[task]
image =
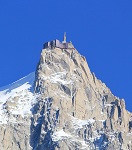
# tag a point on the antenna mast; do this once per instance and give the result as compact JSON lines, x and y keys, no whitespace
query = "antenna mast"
{"x":64,"y":40}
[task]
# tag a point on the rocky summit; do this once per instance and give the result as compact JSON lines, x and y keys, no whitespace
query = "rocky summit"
{"x":62,"y":106}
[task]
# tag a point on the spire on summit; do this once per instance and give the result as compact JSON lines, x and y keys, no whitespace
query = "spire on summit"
{"x":64,"y":40}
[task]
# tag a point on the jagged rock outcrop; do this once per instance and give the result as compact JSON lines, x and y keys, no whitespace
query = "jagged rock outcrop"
{"x":64,"y":108}
{"x":79,"y":111}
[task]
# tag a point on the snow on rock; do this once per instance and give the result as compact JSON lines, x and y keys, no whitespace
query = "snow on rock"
{"x":78,"y":123}
{"x":58,"y":77}
{"x":17,"y":98}
{"x":59,"y":135}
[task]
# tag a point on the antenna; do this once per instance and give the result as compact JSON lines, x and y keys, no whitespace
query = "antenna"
{"x":64,"y":40}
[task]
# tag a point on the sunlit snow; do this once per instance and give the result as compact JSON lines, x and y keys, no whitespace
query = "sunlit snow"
{"x":17,"y":98}
{"x":78,"y":123}
{"x":58,"y":77}
{"x":60,"y":135}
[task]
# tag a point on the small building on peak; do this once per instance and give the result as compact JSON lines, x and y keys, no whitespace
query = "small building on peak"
{"x":57,"y":44}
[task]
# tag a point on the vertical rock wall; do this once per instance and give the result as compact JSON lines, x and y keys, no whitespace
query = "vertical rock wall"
{"x":82,"y":109}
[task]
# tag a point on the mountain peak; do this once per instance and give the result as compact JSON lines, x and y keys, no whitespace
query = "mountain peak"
{"x":68,"y":103}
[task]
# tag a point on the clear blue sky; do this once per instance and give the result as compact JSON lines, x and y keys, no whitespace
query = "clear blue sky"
{"x":100,"y":29}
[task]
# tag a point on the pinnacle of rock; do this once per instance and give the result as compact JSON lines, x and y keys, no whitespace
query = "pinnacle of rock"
{"x":68,"y":107}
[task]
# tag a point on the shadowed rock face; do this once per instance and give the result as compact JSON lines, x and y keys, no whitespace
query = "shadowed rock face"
{"x":64,"y":108}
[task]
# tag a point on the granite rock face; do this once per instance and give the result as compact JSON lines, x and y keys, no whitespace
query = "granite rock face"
{"x":77,"y":110}
{"x":65,"y":107}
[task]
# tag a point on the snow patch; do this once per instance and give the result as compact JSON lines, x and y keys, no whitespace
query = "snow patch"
{"x":78,"y":123}
{"x":17,"y":98}
{"x":59,"y":135}
{"x":58,"y":77}
{"x":108,"y":105}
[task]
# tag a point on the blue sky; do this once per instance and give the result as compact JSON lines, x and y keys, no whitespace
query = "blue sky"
{"x":99,"y":29}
